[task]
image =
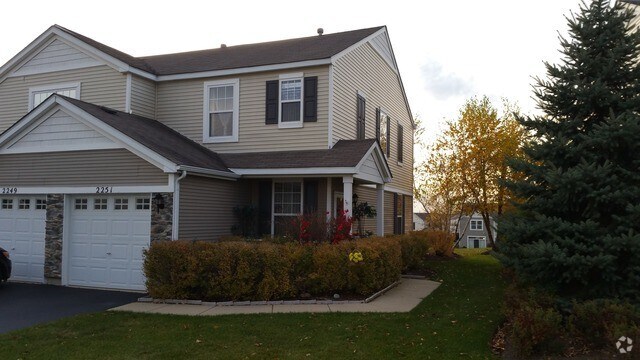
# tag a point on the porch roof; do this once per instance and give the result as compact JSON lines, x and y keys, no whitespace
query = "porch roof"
{"x":346,"y":157}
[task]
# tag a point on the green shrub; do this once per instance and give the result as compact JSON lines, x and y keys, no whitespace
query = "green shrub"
{"x":265,"y":271}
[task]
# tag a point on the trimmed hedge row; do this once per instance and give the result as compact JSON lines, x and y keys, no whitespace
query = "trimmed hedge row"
{"x":239,"y":271}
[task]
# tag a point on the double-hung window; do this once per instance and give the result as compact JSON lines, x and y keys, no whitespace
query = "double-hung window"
{"x":221,"y":107}
{"x":39,"y":94}
{"x":383,"y":131}
{"x":476,"y":225}
{"x":291,"y":90}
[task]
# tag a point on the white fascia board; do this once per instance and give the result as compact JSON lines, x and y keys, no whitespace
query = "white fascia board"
{"x":33,"y":190}
{"x":344,"y":52}
{"x":24,"y":53}
{"x":245,"y":70}
{"x":295,"y":171}
{"x":118,"y":137}
{"x":391,"y":189}
{"x":378,"y":157}
{"x":224,"y":175}
{"x":370,"y":178}
{"x":44,"y":108}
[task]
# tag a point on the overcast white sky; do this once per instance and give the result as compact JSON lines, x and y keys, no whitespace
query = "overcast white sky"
{"x":447,"y":51}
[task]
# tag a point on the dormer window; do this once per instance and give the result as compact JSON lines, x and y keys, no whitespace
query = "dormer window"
{"x":221,"y":103}
{"x":39,"y":94}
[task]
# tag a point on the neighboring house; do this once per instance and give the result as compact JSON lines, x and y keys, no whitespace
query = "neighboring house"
{"x":102,"y":153}
{"x":420,"y":220}
{"x":472,"y":231}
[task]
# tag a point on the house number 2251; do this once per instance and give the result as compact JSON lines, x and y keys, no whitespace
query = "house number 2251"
{"x":104,"y":189}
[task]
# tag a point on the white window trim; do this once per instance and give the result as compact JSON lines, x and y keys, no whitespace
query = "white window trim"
{"x":291,"y":124}
{"x":481,"y":238}
{"x":206,"y":136}
{"x":53,"y":87}
{"x":477,"y":222}
{"x":273,"y":200}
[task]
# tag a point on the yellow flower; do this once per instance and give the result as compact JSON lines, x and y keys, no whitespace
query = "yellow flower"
{"x":356,"y":256}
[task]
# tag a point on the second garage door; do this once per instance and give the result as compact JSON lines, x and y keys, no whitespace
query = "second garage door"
{"x":107,"y":236}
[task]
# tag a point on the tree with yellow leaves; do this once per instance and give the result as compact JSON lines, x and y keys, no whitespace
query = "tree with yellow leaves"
{"x":467,"y":166}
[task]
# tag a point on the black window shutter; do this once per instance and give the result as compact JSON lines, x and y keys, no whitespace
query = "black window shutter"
{"x":310,"y":196}
{"x":378,"y":125}
{"x":310,"y":99}
{"x":271,"y":113}
{"x":395,"y":213}
{"x":400,"y":143}
{"x":360,"y":118}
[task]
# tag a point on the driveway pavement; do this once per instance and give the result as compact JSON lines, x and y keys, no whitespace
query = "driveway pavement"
{"x":24,"y":305}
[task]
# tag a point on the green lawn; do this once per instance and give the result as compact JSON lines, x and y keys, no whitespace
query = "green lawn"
{"x":456,"y":321}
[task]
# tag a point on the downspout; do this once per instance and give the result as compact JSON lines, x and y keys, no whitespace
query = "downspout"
{"x":176,"y":207}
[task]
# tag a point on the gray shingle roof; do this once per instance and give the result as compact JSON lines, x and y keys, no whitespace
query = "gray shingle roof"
{"x":345,"y":153}
{"x":156,"y":136}
{"x":240,"y":56}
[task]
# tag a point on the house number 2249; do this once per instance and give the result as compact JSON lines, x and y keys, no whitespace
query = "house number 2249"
{"x":104,"y":189}
{"x":9,"y":190}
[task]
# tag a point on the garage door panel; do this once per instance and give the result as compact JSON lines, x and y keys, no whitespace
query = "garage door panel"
{"x":99,"y":227}
{"x":22,"y":234}
{"x":116,"y":239}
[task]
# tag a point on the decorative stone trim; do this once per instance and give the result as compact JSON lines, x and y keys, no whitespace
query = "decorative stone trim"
{"x":162,"y":219}
{"x":53,"y":236}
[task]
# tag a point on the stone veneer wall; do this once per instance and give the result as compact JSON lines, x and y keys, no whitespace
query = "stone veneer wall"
{"x":162,"y":219}
{"x":53,"y":236}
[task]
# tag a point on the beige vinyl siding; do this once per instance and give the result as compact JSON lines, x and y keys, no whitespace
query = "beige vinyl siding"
{"x":143,"y":97}
{"x":369,"y":195}
{"x":99,"y":85}
{"x":57,"y":55}
{"x":206,"y":207}
{"x":60,"y":130}
{"x":78,"y":168}
{"x":408,"y":213}
{"x":365,"y":70}
{"x":180,"y":106}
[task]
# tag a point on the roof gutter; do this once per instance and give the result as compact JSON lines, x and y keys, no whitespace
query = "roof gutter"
{"x":217,"y":174}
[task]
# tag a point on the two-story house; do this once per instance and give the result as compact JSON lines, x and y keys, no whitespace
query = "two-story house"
{"x":102,"y":153}
{"x":472,"y":231}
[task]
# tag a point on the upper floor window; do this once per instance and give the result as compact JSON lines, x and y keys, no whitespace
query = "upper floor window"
{"x":221,"y":107}
{"x":291,"y":100}
{"x":383,"y":131}
{"x":476,"y":225}
{"x":360,"y":117}
{"x":39,"y":94}
{"x":400,"y":144}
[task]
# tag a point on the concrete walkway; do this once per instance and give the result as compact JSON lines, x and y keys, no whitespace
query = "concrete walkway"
{"x":402,"y":298}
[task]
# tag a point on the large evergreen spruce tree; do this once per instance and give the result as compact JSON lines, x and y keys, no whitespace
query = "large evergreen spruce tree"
{"x":577,"y":231}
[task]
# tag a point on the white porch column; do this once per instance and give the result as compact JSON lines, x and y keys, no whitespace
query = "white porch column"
{"x":329,"y":198}
{"x":380,"y":210}
{"x":347,"y":183}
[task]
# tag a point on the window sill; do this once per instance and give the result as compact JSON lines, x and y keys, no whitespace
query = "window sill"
{"x":216,"y":140}
{"x":291,"y":125}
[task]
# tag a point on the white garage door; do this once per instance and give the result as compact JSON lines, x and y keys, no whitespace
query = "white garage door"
{"x":106,"y":238}
{"x":22,"y":220}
